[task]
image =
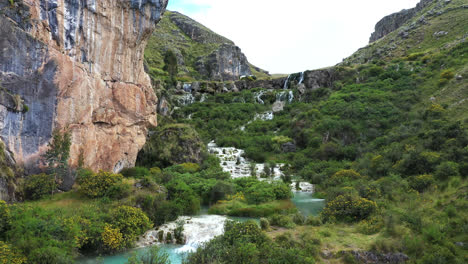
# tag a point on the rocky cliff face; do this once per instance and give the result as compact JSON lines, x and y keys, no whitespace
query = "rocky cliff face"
{"x":201,"y":53}
{"x":227,"y":63}
{"x":392,"y":22}
{"x":78,"y":66}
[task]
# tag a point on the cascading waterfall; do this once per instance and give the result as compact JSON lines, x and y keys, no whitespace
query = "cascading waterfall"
{"x":258,"y":97}
{"x":291,"y":96}
{"x":286,"y":83}
{"x":203,"y":98}
{"x":285,"y":96}
{"x":301,"y":79}
{"x":196,"y":231}
{"x":187,"y":87}
{"x":185,"y":99}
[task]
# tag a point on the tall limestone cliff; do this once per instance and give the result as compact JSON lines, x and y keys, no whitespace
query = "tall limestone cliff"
{"x":77,"y":65}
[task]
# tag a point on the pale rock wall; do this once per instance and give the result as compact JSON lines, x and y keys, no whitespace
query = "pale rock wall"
{"x":78,"y":65}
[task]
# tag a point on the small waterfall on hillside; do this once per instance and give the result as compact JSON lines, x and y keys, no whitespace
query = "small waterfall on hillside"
{"x":187,"y":87}
{"x":301,"y":79}
{"x":264,"y":116}
{"x":291,"y":96}
{"x":286,"y":83}
{"x":258,"y":97}
{"x":285,"y":96}
{"x":232,"y":161}
{"x":203,"y":98}
{"x":185,"y":99}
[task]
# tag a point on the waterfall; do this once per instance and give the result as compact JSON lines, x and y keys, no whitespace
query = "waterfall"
{"x":301,"y":79}
{"x":186,"y":99}
{"x":258,"y":97}
{"x":197,"y":230}
{"x":286,"y":82}
{"x":187,"y":87}
{"x":291,"y":96}
{"x":203,"y":98}
{"x":285,"y":96}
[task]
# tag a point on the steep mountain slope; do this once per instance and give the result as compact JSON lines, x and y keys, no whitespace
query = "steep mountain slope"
{"x":200,"y":53}
{"x":434,"y":30}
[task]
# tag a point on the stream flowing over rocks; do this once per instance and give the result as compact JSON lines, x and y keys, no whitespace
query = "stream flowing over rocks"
{"x":232,"y":161}
{"x":197,"y":230}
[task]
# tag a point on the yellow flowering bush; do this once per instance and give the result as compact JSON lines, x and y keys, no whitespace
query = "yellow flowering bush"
{"x":131,"y":222}
{"x":112,"y":238}
{"x":348,"y":208}
{"x":97,"y":184}
{"x":10,"y":256}
{"x":190,"y":167}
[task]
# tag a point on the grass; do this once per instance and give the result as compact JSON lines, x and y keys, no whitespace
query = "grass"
{"x":334,"y":238}
{"x":238,"y":208}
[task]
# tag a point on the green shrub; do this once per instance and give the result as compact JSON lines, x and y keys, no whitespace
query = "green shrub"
{"x":343,"y":176}
{"x":447,"y":170}
{"x":421,"y":183}
{"x":131,"y":222}
{"x":136,"y":172}
{"x":152,"y":255}
{"x":348,"y":208}
{"x":313,"y":220}
{"x":371,"y":226}
{"x":8,"y":255}
{"x":37,"y":186}
{"x":281,"y":221}
{"x":261,"y":192}
{"x":5,"y":218}
{"x":189,"y":167}
{"x":98,"y":184}
{"x":447,"y":74}
{"x":264,"y":224}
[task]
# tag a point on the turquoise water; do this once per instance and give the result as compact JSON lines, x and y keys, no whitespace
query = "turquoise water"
{"x":174,"y":256}
{"x":306,"y":204}
{"x":176,"y":252}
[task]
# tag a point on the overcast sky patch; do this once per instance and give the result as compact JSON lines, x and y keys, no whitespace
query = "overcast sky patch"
{"x":295,"y":35}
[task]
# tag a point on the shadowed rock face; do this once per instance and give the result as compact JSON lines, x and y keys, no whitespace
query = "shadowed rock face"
{"x":392,"y":22}
{"x":227,"y":63}
{"x":78,"y":66}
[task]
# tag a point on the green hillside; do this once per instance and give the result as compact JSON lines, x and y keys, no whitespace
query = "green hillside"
{"x":189,"y":41}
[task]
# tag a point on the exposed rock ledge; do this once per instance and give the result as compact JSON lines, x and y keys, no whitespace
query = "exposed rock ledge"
{"x":78,"y":66}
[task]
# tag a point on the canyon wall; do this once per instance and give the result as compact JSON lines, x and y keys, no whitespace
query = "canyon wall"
{"x":77,"y":66}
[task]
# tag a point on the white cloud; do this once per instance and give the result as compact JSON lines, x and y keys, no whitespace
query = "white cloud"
{"x":293,"y":35}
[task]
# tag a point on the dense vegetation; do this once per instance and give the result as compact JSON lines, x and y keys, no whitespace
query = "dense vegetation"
{"x":390,"y":163}
{"x":386,"y":145}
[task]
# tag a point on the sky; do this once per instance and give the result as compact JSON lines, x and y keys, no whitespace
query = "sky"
{"x":287,"y":36}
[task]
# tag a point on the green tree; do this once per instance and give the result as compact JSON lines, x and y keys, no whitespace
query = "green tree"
{"x":58,"y":153}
